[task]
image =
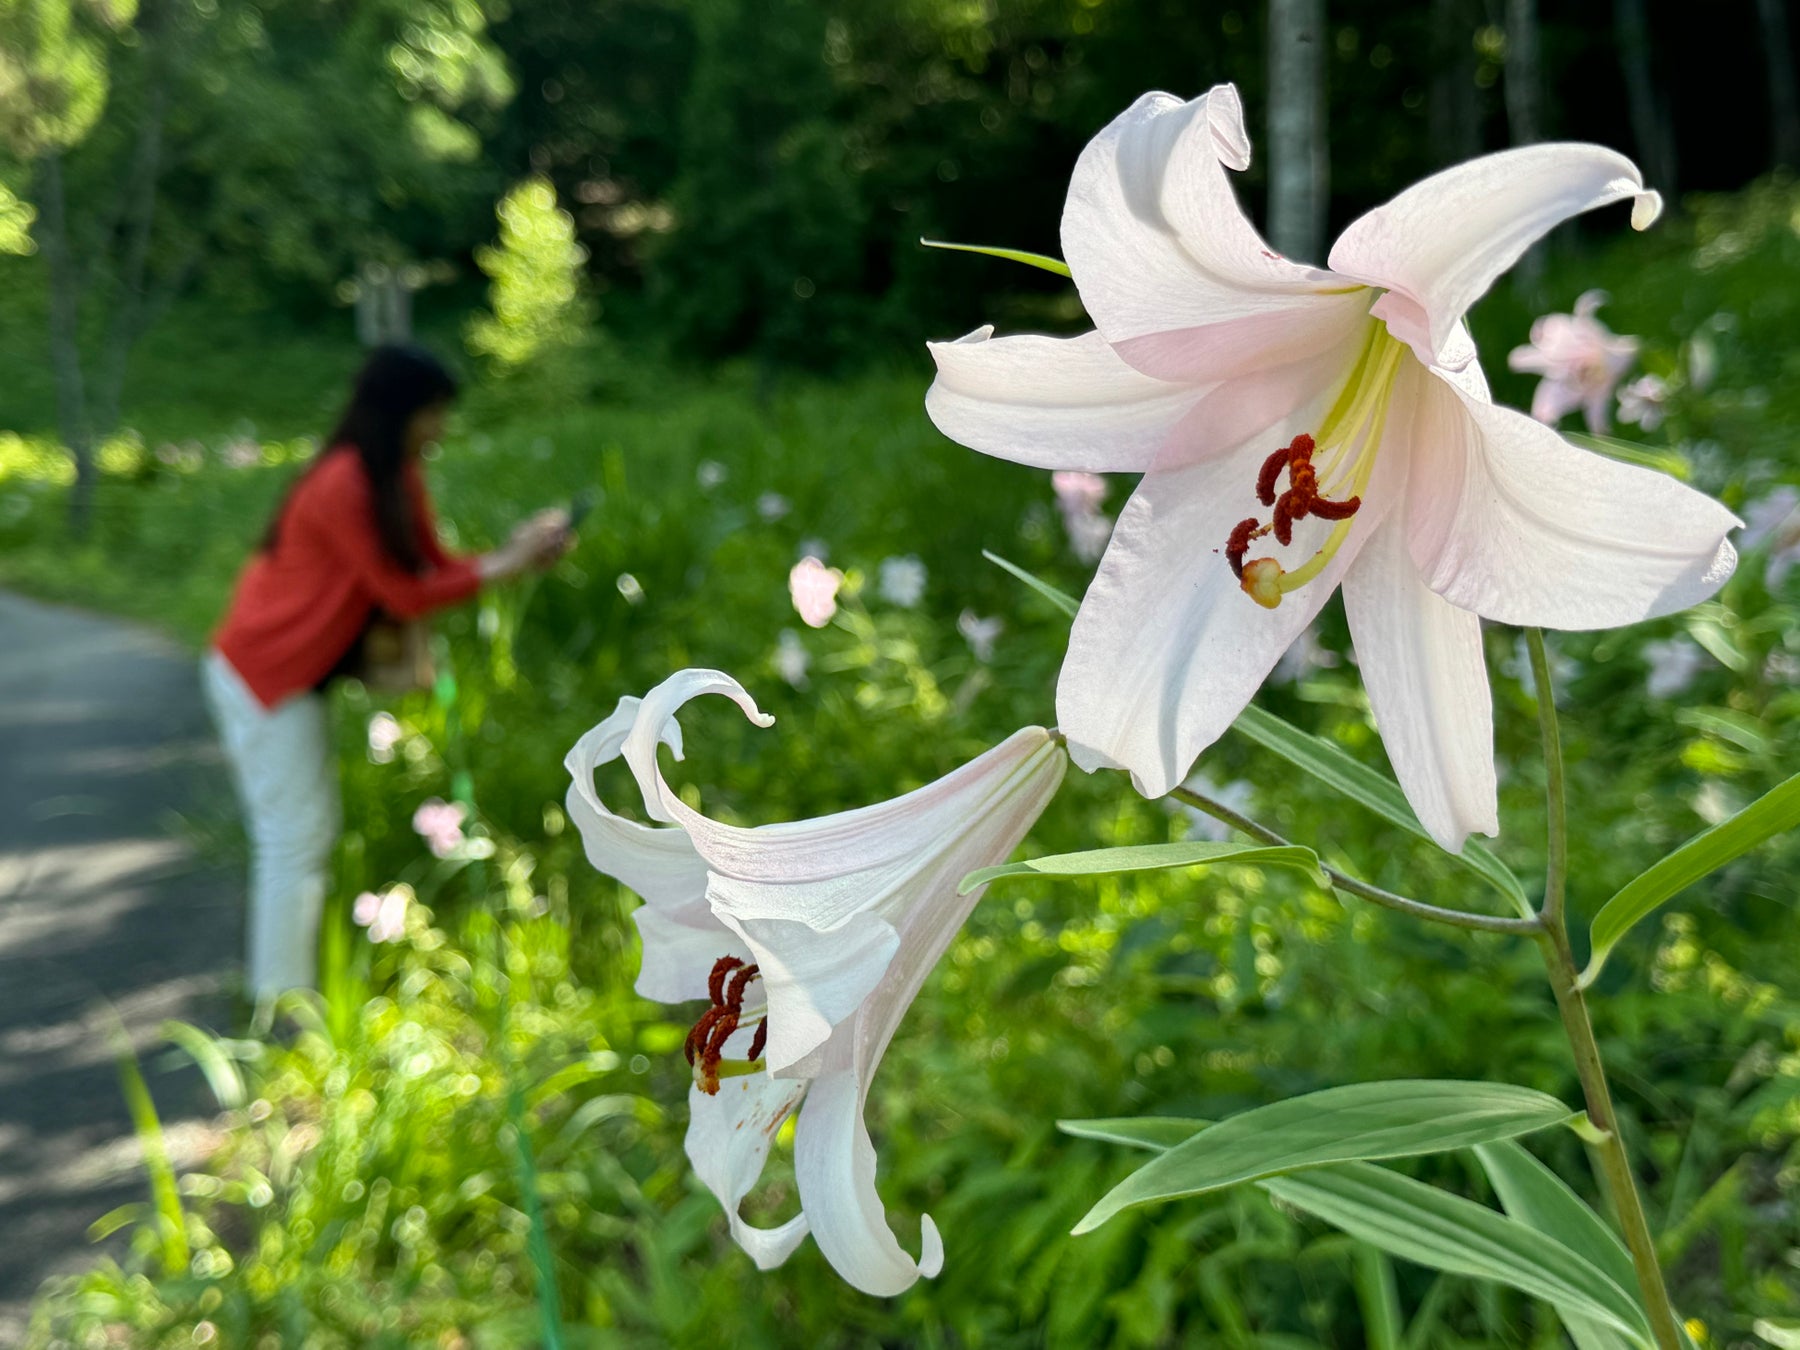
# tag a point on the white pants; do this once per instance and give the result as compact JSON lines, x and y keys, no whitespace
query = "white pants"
{"x":287,"y":780}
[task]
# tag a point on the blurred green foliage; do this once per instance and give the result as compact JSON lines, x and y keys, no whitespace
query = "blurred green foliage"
{"x":366,"y":1193}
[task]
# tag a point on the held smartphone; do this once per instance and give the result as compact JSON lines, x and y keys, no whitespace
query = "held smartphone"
{"x":579,"y":506}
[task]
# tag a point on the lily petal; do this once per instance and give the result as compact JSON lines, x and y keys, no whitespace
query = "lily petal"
{"x":834,"y":1166}
{"x":1167,"y":649}
{"x":1067,"y":403}
{"x":1158,"y":245}
{"x":1509,"y":520}
{"x":1440,"y":244}
{"x":728,"y":1142}
{"x":1422,"y":663}
{"x":680,"y":936}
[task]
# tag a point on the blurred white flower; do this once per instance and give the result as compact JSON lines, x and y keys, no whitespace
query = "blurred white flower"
{"x":1782,"y":667}
{"x":1703,"y":362}
{"x":1674,"y":662}
{"x":813,"y":588}
{"x":1581,"y":361}
{"x":440,"y":824}
{"x":772,"y":506}
{"x":1089,"y":535}
{"x":902,"y":581}
{"x":1305,"y":653}
{"x":1643,"y":402}
{"x":710,"y":474}
{"x":815,"y":548}
{"x":630,"y":589}
{"x":980,"y":633}
{"x":1775,"y":521}
{"x":241,"y":453}
{"x":1237,"y":795}
{"x":385,"y":733}
{"x":383,"y":913}
{"x":791,"y":659}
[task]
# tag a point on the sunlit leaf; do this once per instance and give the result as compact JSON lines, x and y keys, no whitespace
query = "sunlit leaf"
{"x":1055,"y":265}
{"x":1339,"y":772}
{"x":1067,"y":603}
{"x":1775,"y":812}
{"x":1361,"y":1121}
{"x":1103,"y":862}
{"x":1538,"y":1198}
{"x":1156,"y":1133}
{"x":1434,"y":1228}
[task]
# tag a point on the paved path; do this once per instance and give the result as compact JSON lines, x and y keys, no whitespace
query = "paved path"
{"x":106,"y":906}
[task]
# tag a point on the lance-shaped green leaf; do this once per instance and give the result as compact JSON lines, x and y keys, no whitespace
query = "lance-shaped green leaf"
{"x":1103,"y":862}
{"x":1067,"y":603}
{"x":1434,"y":1228}
{"x":1156,"y":1133}
{"x":1017,"y":255}
{"x":1776,"y":811}
{"x":1339,"y":772}
{"x":1361,"y":1121}
{"x":1538,"y":1198}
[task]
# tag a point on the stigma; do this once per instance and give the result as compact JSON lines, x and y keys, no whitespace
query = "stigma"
{"x":1262,"y":579}
{"x":705,"y":1044}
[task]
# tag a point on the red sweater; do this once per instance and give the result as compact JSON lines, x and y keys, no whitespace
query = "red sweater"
{"x":300,"y":606}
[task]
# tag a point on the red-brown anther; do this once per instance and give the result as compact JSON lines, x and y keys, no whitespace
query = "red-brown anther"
{"x":1287,"y":507}
{"x":1271,"y":470}
{"x":715,"y":982}
{"x":1330,"y":510}
{"x":734,"y":998}
{"x":1239,"y":543}
{"x":759,"y":1040}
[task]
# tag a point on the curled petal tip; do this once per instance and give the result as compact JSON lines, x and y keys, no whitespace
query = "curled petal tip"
{"x":1645,"y":208}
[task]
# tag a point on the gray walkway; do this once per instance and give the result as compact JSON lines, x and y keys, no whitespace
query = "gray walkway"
{"x":106,"y":906}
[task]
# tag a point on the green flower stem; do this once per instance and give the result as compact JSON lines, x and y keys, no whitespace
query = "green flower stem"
{"x":1616,"y":1164}
{"x":1555,"y":878}
{"x":1553,"y":940}
{"x":1400,"y":904}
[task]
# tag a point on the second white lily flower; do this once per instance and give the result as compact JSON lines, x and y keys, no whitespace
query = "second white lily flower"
{"x":810,"y":940}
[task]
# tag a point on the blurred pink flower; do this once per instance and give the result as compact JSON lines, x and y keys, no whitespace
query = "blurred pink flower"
{"x":814,"y":588}
{"x":1642,"y":402}
{"x":1078,"y":497}
{"x":1581,"y":361}
{"x":383,"y":913}
{"x":1775,"y":520}
{"x":439,"y":823}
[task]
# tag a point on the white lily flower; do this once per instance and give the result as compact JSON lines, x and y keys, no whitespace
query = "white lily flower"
{"x":1219,"y":369}
{"x":834,"y":923}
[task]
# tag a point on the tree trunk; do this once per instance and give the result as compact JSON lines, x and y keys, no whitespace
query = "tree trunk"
{"x":1299,"y":163}
{"x":1784,"y":95}
{"x":131,"y":309}
{"x":1649,"y":119}
{"x":65,"y":345}
{"x":1524,"y":110}
{"x":1454,"y":110}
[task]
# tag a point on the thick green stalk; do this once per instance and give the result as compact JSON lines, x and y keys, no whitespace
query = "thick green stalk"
{"x":1553,"y":940}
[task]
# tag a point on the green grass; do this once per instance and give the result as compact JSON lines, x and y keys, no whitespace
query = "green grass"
{"x":367,"y":1196}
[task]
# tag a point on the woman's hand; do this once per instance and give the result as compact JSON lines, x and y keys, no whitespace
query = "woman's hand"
{"x":537,"y":542}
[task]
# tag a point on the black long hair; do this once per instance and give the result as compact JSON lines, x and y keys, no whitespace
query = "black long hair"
{"x":395,"y":382}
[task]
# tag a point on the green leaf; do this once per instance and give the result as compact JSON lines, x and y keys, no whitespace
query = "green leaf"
{"x":1067,"y":603}
{"x":1104,"y":862}
{"x":1434,"y":1228}
{"x":1377,"y":1296}
{"x":1338,"y":771}
{"x":1775,"y":812}
{"x":1534,"y":1195}
{"x":1156,"y":1133}
{"x":1055,"y":265}
{"x":1397,"y":1119}
{"x":221,"y":1074}
{"x":1629,"y":452}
